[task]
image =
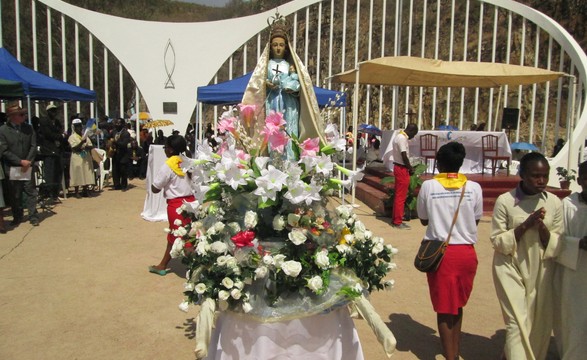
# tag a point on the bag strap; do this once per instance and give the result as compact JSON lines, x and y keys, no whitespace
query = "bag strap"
{"x":454,"y":219}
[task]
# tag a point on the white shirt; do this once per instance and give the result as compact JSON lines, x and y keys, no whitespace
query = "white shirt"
{"x":437,"y":205}
{"x":399,"y":145}
{"x":173,"y":186}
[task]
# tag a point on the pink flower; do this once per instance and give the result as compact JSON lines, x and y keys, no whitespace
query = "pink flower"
{"x":274,"y":119}
{"x":310,"y":147}
{"x":247,"y":113}
{"x":243,"y":155}
{"x":227,"y":125}
{"x":278,"y":140}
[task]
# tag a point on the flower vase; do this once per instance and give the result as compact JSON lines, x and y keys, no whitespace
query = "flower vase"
{"x":564,"y":184}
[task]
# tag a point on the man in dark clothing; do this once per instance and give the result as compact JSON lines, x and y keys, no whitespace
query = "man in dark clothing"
{"x":121,"y":160}
{"x":50,"y":138}
{"x":18,"y":147}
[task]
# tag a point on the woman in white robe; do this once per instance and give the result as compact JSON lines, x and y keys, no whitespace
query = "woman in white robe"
{"x":570,"y":325}
{"x":81,"y":169}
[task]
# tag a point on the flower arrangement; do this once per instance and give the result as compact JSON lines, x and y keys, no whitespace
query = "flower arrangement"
{"x":262,"y":238}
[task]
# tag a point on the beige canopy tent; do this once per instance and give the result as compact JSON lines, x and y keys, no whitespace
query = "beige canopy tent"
{"x":416,"y":71}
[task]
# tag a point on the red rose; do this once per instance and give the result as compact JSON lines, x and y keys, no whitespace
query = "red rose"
{"x":243,"y":238}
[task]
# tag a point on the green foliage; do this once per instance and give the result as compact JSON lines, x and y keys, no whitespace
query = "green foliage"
{"x":415,"y":183}
{"x":565,"y":174}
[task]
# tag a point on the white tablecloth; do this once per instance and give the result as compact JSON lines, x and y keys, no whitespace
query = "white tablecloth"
{"x":470,"y":139}
{"x":330,"y":336}
{"x":155,"y":207}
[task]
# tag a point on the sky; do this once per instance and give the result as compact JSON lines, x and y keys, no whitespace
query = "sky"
{"x":218,"y":3}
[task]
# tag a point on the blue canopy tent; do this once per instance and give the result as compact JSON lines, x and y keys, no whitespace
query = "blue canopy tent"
{"x":39,"y":86}
{"x":231,"y":92}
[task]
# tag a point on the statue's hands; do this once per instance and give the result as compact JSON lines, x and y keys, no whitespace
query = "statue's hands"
{"x":270,"y":85}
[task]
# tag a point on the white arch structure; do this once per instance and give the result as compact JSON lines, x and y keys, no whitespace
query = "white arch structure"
{"x":174,"y":66}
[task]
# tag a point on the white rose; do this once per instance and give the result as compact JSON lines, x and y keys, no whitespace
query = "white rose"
{"x":236,"y":294}
{"x":239,"y":285}
{"x":234,"y":227}
{"x":260,"y":272}
{"x":293,"y":219}
{"x":223,"y":305}
{"x":343,"y":211}
{"x":357,"y":287}
{"x":247,"y":307}
{"x":250,"y":219}
{"x":343,"y":248}
{"x":349,"y":238}
{"x":184,"y":306}
{"x":377,"y":248}
{"x":202,"y":248}
{"x":188,"y":286}
{"x":177,"y":222}
{"x":391,"y":249}
{"x":166,"y":230}
{"x":223,"y":295}
{"x":180,"y":231}
{"x":278,"y":223}
{"x":218,"y":247}
{"x":177,"y":248}
{"x":268,"y":260}
{"x":291,"y":268}
{"x":359,"y":226}
{"x":322,"y":259}
{"x":211,"y":231}
{"x":368,"y":234}
{"x":297,"y":237}
{"x":227,"y":283}
{"x":315,"y":283}
{"x":278,"y":260}
{"x":231,"y":262}
{"x":391,"y":266}
{"x":218,"y":227}
{"x":179,"y":210}
{"x":359,"y":235}
{"x":201,"y":288}
{"x":222,"y":260}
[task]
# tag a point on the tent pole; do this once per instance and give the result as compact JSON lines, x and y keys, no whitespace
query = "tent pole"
{"x":571,"y":151}
{"x":28,"y":100}
{"x":355,"y":121}
{"x":497,"y":107}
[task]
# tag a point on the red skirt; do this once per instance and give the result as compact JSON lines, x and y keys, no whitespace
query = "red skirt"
{"x":451,"y":285}
{"x":172,"y":215}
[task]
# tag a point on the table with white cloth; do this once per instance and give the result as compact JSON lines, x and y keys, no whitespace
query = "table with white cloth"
{"x":325,"y":336}
{"x":473,"y":163}
{"x":155,"y":207}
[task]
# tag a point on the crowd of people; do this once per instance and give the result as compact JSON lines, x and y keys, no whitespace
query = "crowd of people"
{"x":41,"y":161}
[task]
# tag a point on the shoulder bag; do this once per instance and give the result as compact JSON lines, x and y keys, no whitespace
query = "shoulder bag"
{"x":431,"y":252}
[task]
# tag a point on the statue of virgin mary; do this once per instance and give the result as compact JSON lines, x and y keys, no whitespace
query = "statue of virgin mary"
{"x":281,"y":83}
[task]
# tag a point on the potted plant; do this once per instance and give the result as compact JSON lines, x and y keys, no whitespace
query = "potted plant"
{"x":565,"y":176}
{"x":412,"y":198}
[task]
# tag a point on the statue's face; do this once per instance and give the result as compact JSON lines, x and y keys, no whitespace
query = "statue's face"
{"x":278,"y":47}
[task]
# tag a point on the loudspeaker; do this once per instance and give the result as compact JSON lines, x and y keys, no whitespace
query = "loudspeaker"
{"x":509,"y":120}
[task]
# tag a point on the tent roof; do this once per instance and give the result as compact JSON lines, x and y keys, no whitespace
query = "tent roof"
{"x":40,"y":86}
{"x":231,"y":92}
{"x":416,"y":71}
{"x":10,"y":89}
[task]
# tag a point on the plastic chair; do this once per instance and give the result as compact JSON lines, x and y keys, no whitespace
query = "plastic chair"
{"x":428,"y":149}
{"x":491,"y":152}
{"x":103,"y":174}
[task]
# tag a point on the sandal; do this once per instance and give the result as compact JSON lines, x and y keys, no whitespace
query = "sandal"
{"x":154,"y":270}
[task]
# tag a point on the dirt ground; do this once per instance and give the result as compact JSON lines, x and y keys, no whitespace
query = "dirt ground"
{"x":77,"y":287}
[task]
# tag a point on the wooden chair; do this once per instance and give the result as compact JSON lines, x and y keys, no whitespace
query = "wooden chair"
{"x":428,"y":148}
{"x":491,"y":152}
